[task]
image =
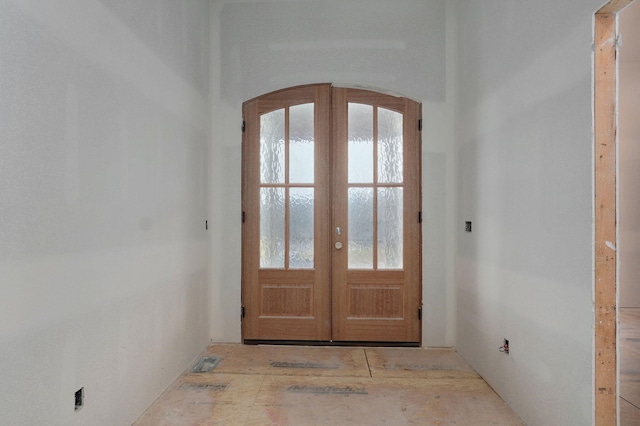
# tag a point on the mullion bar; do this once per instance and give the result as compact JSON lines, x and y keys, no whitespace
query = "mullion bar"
{"x":375,"y":188}
{"x":286,"y":189}
{"x":362,"y":185}
{"x":294,"y":185}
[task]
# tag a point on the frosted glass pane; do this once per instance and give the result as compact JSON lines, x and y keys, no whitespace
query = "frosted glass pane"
{"x":301,"y":228}
{"x":389,"y":146}
{"x":301,"y":138}
{"x":272,"y":227}
{"x":272,"y":147}
{"x":361,"y":228}
{"x":390,"y":228}
{"x":360,"y":143}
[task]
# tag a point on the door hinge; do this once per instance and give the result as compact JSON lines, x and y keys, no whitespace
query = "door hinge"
{"x":419,"y":217}
{"x":420,"y":313}
{"x":243,"y":126}
{"x":242,"y":312}
{"x":244,"y":217}
{"x":420,"y":124}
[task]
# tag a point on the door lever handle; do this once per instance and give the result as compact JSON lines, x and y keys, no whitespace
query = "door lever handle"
{"x":338,"y":230}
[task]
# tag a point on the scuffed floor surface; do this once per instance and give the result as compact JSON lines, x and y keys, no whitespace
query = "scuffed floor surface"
{"x":285,"y":385}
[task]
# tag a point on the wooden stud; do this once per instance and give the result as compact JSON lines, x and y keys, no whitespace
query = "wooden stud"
{"x":614,"y":6}
{"x":606,"y":392}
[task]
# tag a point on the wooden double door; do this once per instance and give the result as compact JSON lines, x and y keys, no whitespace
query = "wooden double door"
{"x":331,"y":239}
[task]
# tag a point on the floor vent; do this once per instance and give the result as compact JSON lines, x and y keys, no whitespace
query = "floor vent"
{"x":204,"y":365}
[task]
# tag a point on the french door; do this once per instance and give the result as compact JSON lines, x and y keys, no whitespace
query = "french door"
{"x":331,"y":240}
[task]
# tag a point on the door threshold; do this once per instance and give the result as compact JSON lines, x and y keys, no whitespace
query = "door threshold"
{"x":331,"y":343}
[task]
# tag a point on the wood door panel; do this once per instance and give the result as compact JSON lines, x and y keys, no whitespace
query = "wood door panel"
{"x":286,"y":329}
{"x":376,"y":302}
{"x":287,"y":301}
{"x":285,"y":294}
{"x":375,"y":295}
{"x":371,"y":331}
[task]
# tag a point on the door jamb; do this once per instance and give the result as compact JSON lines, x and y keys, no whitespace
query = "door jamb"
{"x":331,"y":138}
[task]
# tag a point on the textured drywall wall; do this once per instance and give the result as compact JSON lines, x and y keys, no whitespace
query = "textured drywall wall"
{"x":396,"y":45}
{"x":390,"y":45}
{"x":104,"y":130}
{"x":525,"y":142}
{"x":629,"y":158}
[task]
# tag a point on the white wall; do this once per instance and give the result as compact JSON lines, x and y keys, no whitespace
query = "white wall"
{"x":104,"y":130}
{"x":399,"y":46}
{"x":629,"y":158}
{"x":525,"y":140}
{"x":105,"y":123}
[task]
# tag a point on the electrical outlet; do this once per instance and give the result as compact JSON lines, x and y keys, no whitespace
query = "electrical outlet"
{"x":467,"y":226}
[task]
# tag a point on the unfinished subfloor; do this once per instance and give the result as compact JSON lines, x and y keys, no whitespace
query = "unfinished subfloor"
{"x":629,"y":342}
{"x":301,"y":385}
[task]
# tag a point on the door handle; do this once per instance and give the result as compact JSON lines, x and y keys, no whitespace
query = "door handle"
{"x":338,"y":245}
{"x":338,"y":230}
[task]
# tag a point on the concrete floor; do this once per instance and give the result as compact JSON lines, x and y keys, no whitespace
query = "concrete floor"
{"x":285,"y":385}
{"x":629,"y":342}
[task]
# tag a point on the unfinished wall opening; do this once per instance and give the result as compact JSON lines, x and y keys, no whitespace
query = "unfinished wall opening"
{"x":605,"y":202}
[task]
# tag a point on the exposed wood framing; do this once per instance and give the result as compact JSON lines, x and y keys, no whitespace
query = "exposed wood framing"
{"x":614,"y":6}
{"x":606,"y":392}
